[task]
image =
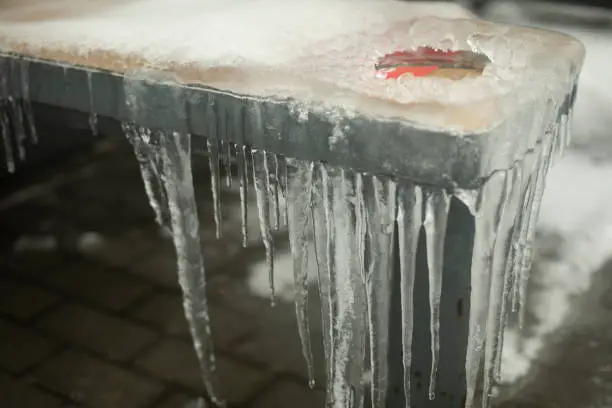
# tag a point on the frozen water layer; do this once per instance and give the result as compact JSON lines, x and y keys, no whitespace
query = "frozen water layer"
{"x":320,"y":52}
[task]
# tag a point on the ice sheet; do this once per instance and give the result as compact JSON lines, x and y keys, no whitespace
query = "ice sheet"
{"x":312,"y":50}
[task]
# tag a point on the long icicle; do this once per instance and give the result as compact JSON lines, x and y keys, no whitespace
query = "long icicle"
{"x":176,"y":157}
{"x":349,"y":321}
{"x":409,"y":221}
{"x":321,"y":216}
{"x":93,"y":115}
{"x":488,"y":211}
{"x":262,"y":192}
{"x":243,"y":172}
{"x":380,"y":205}
{"x":437,"y":204}
{"x":499,"y":279}
{"x":215,"y":181}
{"x":174,"y":152}
{"x":271,"y":168}
{"x":517,"y":196}
{"x":27,"y":103}
{"x":533,"y":214}
{"x":5,"y":128}
{"x":6,"y":137}
{"x":299,"y":199}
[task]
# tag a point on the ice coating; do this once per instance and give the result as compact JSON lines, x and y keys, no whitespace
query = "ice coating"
{"x":320,"y":52}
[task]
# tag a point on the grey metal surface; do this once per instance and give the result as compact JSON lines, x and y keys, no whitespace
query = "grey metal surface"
{"x":391,"y":147}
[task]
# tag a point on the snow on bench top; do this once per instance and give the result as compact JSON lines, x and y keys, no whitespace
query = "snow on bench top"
{"x":321,"y":52}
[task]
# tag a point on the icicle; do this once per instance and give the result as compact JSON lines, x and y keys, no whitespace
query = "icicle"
{"x":6,"y":137}
{"x":176,"y":157}
{"x":215,"y":182}
{"x":489,"y":207}
{"x":147,"y":155}
{"x":437,"y":204}
{"x":320,"y":229}
{"x":514,"y":194}
{"x":380,"y":205}
{"x":243,"y":170}
{"x":272,"y":190}
{"x":342,"y":290}
{"x":275,"y":187}
{"x":27,"y":104}
{"x":93,"y":116}
{"x":18,"y":128}
{"x":299,"y":196}
{"x":285,"y":183}
{"x":532,"y":210}
{"x":7,"y":140}
{"x":361,"y":224}
{"x":262,"y":192}
{"x":166,"y":158}
{"x":499,"y":277}
{"x":528,"y":173}
{"x":16,"y":116}
{"x":409,"y":221}
{"x":228,"y":163}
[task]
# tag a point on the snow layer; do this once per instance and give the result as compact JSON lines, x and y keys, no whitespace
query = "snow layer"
{"x":313,"y":50}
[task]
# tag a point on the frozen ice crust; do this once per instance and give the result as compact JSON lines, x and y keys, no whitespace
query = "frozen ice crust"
{"x":321,"y":53}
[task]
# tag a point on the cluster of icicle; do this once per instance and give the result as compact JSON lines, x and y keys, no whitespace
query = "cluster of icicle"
{"x":352,"y":218}
{"x":17,"y":125}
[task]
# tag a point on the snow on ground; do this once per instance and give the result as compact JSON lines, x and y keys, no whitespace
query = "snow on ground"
{"x":575,"y":212}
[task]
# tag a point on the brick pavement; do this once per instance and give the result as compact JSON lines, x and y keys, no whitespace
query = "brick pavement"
{"x":99,"y":324}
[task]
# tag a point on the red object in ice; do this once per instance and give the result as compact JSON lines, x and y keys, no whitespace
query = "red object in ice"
{"x":425,"y":60}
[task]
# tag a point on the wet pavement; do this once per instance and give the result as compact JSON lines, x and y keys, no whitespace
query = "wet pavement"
{"x":90,"y":310}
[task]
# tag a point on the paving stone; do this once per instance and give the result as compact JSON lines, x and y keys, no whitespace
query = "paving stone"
{"x":110,"y":336}
{"x":286,"y":393}
{"x":23,"y":301}
{"x":96,"y":383}
{"x":16,"y":393}
{"x":166,"y":312}
{"x":126,"y":249}
{"x":35,"y":268}
{"x":158,"y":267}
{"x":175,"y":361}
{"x":275,"y":342}
{"x":22,"y":348}
{"x":176,"y":401}
{"x":101,"y":286}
